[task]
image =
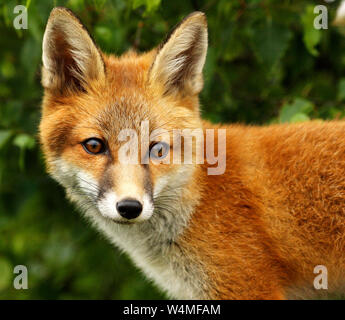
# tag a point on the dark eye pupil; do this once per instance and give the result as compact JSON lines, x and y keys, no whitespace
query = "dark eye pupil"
{"x":93,"y":145}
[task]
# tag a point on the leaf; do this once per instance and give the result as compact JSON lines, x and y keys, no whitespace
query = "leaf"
{"x":30,"y":56}
{"x":7,"y":69}
{"x":151,"y":5}
{"x":6,"y":273}
{"x":4,"y":137}
{"x":299,"y":117}
{"x":296,"y":111}
{"x":99,"y":4}
{"x":103,"y":33}
{"x":270,"y":41}
{"x":137,"y":3}
{"x":312,"y":36}
{"x":341,"y":90}
{"x":23,"y":141}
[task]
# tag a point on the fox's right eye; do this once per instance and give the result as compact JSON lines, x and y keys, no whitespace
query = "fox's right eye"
{"x":94,"y":146}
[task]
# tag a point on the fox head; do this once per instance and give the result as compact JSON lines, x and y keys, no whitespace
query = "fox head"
{"x":91,"y":99}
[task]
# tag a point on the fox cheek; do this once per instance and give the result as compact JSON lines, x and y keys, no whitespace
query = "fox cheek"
{"x":80,"y":185}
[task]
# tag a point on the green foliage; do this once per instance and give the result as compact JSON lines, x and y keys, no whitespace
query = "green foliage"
{"x":296,"y":111}
{"x":266,"y":63}
{"x":311,"y":36}
{"x":270,"y":42}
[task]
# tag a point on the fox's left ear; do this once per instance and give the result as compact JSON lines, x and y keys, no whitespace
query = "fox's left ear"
{"x":180,"y":59}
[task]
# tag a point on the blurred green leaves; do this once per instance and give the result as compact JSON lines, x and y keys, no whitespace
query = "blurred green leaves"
{"x":341,"y":90}
{"x":266,"y":63}
{"x":270,"y":41}
{"x":4,"y":137}
{"x":6,"y":272}
{"x":296,"y":111}
{"x":151,"y":5}
{"x":311,"y":35}
{"x":24,"y":142}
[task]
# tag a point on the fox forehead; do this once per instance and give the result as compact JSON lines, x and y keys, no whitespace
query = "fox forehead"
{"x":128,"y":70}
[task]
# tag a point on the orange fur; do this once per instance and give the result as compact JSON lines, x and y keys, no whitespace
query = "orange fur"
{"x":278,"y":212}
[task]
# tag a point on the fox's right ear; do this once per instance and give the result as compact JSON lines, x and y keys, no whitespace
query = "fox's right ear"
{"x":180,"y":59}
{"x":70,"y":57}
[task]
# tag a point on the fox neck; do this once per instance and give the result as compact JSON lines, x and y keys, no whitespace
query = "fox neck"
{"x":154,"y":245}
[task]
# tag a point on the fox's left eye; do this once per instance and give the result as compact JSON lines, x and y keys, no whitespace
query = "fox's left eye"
{"x":159,"y":150}
{"x":94,"y":146}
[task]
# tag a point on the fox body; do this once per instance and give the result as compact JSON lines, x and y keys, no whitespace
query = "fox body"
{"x":255,"y":232}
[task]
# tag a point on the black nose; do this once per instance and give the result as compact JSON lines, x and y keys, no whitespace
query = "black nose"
{"x":129,"y":209}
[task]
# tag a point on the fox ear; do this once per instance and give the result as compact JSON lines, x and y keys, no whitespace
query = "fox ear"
{"x":180,"y":59}
{"x":70,"y":57}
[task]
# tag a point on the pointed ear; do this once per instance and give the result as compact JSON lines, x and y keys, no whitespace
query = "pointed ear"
{"x":180,"y":59}
{"x":70,"y":57}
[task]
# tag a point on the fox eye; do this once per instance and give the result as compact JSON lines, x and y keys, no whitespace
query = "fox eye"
{"x":159,"y":150}
{"x":94,"y":146}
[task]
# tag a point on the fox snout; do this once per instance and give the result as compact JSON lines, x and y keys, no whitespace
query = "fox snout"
{"x":127,"y":195}
{"x":120,"y":193}
{"x":125,"y":209}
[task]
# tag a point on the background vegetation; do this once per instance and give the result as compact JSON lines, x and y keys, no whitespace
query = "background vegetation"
{"x":266,"y":63}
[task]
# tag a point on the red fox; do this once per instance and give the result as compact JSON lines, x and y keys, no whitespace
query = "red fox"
{"x":256,"y":230}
